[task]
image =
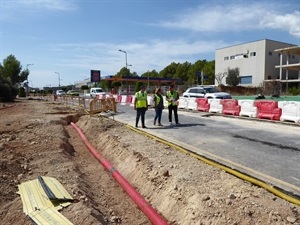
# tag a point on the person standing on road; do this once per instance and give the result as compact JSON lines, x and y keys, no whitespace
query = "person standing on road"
{"x":158,"y":105}
{"x":172,"y":96}
{"x":141,"y":106}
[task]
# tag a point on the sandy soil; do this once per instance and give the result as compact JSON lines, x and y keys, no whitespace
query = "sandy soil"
{"x":36,"y":139}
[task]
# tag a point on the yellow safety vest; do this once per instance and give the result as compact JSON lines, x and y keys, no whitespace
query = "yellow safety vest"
{"x":174,"y":96}
{"x":141,"y":99}
{"x":157,"y":99}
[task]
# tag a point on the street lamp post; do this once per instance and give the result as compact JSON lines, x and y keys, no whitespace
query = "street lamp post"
{"x":58,"y":78}
{"x":27,"y":82}
{"x":126,"y":66}
{"x":125,"y":57}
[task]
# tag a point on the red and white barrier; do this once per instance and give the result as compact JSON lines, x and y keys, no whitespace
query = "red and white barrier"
{"x":202,"y":104}
{"x":248,"y":108}
{"x":192,"y":104}
{"x":231,"y":107}
{"x":268,"y":109}
{"x":215,"y":105}
{"x":123,"y":99}
{"x":290,"y":111}
{"x":182,"y":103}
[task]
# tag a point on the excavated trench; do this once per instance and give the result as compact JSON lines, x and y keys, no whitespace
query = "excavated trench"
{"x":183,"y":189}
{"x":95,"y":186}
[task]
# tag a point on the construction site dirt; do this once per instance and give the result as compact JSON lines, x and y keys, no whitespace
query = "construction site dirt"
{"x":36,"y":139}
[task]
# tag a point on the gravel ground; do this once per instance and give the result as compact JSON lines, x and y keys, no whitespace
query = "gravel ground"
{"x":36,"y":139}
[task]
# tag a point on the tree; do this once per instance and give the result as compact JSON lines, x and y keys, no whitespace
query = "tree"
{"x":232,"y":78}
{"x":12,"y":70}
{"x":152,"y":74}
{"x":169,"y":71}
{"x":11,"y":76}
{"x":219,"y":77}
{"x":209,"y":72}
{"x":193,"y":71}
{"x":126,"y":72}
{"x":85,"y":87}
{"x":182,"y":71}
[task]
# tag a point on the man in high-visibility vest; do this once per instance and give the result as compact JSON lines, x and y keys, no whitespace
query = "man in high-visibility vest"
{"x":172,"y":96}
{"x":141,"y":106}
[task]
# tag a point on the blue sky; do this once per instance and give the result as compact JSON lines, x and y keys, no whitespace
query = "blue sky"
{"x":72,"y":37}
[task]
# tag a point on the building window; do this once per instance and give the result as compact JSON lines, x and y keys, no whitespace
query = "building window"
{"x":239,"y":56}
{"x":252,"y":54}
{"x":246,"y":80}
{"x":270,"y":53}
{"x":226,"y":58}
{"x":232,"y":57}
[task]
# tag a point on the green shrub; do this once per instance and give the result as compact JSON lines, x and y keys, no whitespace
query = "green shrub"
{"x":22,"y":92}
{"x":294,"y":91}
{"x":8,"y":92}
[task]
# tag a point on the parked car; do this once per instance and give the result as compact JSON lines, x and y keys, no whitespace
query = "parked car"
{"x":205,"y":92}
{"x":73,"y":93}
{"x":212,"y":92}
{"x":96,"y":91}
{"x":194,"y":92}
{"x":60,"y":92}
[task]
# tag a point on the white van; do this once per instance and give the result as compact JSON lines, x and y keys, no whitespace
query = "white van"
{"x":96,"y":91}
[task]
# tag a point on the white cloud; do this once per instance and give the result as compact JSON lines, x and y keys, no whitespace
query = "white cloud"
{"x":216,"y":18}
{"x":153,"y":54}
{"x":238,"y":17}
{"x":288,"y":22}
{"x":58,"y":5}
{"x":61,"y":5}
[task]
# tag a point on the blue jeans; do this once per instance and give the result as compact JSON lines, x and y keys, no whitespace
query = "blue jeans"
{"x":158,"y":112}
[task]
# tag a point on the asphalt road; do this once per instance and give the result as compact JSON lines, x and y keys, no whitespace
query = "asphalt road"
{"x":265,"y":150}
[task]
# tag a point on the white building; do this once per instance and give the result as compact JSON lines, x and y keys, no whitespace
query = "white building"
{"x":256,"y":61}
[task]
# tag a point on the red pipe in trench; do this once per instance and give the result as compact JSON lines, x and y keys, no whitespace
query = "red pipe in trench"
{"x":152,"y":215}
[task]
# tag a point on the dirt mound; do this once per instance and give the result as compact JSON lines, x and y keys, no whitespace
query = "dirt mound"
{"x":35,"y":139}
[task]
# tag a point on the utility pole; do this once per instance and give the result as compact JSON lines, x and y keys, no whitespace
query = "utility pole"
{"x":58,"y":78}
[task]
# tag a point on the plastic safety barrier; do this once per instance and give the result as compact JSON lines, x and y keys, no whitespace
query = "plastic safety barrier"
{"x":202,"y":104}
{"x":123,"y":99}
{"x":231,"y":107}
{"x":215,"y":105}
{"x":268,"y":109}
{"x":150,"y":99}
{"x":248,"y":108}
{"x":132,"y":100}
{"x":182,"y":103}
{"x":192,"y":104}
{"x":118,"y":98}
{"x":129,"y":99}
{"x":290,"y":111}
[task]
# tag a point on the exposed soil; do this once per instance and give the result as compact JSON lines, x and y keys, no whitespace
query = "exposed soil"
{"x":36,"y":139}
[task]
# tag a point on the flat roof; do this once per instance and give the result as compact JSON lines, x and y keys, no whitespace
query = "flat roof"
{"x":255,"y":41}
{"x":295,"y":50}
